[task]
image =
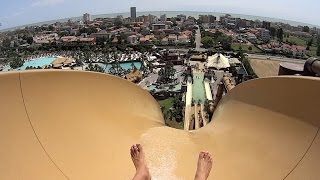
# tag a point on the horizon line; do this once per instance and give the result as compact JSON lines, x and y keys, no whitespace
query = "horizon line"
{"x":139,"y":12}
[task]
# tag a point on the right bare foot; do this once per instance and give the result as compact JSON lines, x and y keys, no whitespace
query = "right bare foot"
{"x":204,"y":166}
{"x":138,"y":159}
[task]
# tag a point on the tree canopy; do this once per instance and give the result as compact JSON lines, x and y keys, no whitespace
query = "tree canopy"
{"x":95,"y":68}
{"x":280,"y":34}
{"x":16,"y":62}
{"x":89,"y":30}
{"x":272,"y":31}
{"x":305,"y":29}
{"x":318,"y":50}
{"x":166,"y":73}
{"x":207,"y":41}
{"x":216,"y":39}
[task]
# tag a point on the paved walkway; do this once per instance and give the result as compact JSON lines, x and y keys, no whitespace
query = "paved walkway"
{"x":198,"y":40}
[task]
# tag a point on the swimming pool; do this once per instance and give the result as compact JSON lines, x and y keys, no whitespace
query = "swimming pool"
{"x":124,"y":65}
{"x":198,"y":90}
{"x":34,"y":63}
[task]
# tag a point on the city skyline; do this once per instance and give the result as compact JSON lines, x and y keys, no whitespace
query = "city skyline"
{"x":19,"y":12}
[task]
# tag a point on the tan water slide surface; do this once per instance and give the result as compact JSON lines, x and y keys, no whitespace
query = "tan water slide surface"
{"x":79,"y":125}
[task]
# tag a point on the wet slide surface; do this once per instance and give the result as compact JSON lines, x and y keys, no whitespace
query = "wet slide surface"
{"x":80,"y":125}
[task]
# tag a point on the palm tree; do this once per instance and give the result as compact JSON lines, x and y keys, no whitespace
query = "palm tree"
{"x":79,"y":61}
{"x":133,"y":66}
{"x":112,"y":69}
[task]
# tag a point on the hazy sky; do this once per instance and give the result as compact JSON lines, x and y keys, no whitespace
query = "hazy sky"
{"x":21,"y":12}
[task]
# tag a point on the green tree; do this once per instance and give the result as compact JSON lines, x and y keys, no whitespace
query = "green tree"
{"x":309,"y":43}
{"x":79,"y":61}
{"x":166,"y":73}
{"x":118,"y":23}
{"x":225,"y":42}
{"x":31,"y":67}
{"x":6,"y":42}
{"x":250,"y":48}
{"x":305,"y":29}
{"x":178,"y":107}
{"x":51,"y":28}
{"x":94,"y":68}
{"x":246,"y":63}
{"x":318,"y":39}
{"x":89,"y":30}
{"x":280,"y":34}
{"x":272,"y":31}
{"x":16,"y":62}
{"x":134,"y":68}
{"x":29,"y":39}
{"x":207,"y":41}
{"x":318,"y":50}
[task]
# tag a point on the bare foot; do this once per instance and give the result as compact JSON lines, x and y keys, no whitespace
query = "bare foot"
{"x":138,"y":159}
{"x":204,"y":166}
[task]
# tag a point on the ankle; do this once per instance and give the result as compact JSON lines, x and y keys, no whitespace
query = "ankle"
{"x":200,"y":177}
{"x":143,"y":174}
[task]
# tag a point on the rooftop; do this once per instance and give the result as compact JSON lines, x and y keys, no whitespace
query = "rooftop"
{"x":218,"y":61}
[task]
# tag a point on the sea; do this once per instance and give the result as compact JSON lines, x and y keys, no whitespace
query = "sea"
{"x":169,"y":14}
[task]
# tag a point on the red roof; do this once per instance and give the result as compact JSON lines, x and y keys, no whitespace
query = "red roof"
{"x":87,"y":39}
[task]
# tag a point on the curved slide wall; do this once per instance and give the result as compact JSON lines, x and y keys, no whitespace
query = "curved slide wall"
{"x":80,"y":125}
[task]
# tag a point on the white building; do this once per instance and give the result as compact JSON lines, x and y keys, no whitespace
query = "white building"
{"x":218,"y":61}
{"x":86,"y":18}
{"x":251,"y":37}
{"x":264,"y":35}
{"x":45,"y":38}
{"x":133,"y":39}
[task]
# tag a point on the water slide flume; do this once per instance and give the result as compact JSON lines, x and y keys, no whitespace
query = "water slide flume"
{"x":80,"y":125}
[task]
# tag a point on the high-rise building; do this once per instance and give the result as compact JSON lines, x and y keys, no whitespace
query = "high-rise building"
{"x":264,"y":34}
{"x":133,"y":12}
{"x":207,"y":18}
{"x":86,"y":18}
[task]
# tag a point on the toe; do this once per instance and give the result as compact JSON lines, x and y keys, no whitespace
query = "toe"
{"x":205,"y":154}
{"x":139,"y":147}
{"x":201,"y":154}
{"x":135,"y":147}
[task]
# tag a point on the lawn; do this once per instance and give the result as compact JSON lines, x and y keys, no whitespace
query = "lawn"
{"x":236,"y":46}
{"x":296,"y":40}
{"x":312,"y":51}
{"x":167,"y":103}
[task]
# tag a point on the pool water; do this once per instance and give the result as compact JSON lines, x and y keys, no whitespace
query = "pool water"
{"x":198,"y":90}
{"x":124,"y":65}
{"x":34,"y":63}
